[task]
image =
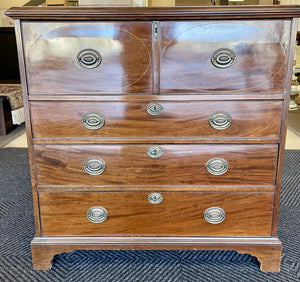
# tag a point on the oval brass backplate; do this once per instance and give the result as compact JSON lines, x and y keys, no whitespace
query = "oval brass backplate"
{"x":223,"y":58}
{"x":93,"y":121}
{"x":97,"y":214}
{"x":220,"y":120}
{"x":94,"y":166}
{"x":214,"y":215}
{"x":89,"y":58}
{"x":217,"y":166}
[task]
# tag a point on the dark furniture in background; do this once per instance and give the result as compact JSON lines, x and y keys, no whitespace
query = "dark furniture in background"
{"x":6,"y":125}
{"x":9,"y":67}
{"x":9,"y":73}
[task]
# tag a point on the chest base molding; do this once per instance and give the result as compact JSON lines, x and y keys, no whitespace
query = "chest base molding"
{"x":267,"y":250}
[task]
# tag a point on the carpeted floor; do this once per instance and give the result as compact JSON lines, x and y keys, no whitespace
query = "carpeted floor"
{"x":17,"y":230}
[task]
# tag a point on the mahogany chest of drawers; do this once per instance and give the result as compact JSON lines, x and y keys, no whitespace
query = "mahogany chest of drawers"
{"x":159,"y":128}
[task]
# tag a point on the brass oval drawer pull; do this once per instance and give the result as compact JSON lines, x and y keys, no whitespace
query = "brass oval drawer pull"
{"x":154,"y":109}
{"x":223,"y":58}
{"x":154,"y":152}
{"x":217,"y":166}
{"x":93,"y":121}
{"x":155,"y":198}
{"x":94,"y":166}
{"x":97,"y":214}
{"x":214,"y":215}
{"x":89,"y":58}
{"x":220,"y":120}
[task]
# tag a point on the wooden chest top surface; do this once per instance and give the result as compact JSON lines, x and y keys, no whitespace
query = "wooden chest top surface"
{"x":154,"y":13}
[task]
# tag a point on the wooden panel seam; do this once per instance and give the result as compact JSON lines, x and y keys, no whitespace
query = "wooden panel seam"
{"x":165,"y":97}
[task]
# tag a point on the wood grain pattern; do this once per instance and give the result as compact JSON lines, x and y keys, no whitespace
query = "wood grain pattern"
{"x":51,"y":50}
{"x":259,"y":46}
{"x":247,"y":214}
{"x":154,"y":13}
{"x":131,"y":120}
{"x":157,"y":188}
{"x":179,"y":164}
{"x":266,"y":249}
{"x":171,"y":98}
{"x":158,"y":140}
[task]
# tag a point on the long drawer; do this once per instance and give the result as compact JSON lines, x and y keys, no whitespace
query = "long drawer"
{"x":157,"y":165}
{"x":88,"y":57}
{"x":166,"y":213}
{"x":156,"y":119}
{"x":117,"y":57}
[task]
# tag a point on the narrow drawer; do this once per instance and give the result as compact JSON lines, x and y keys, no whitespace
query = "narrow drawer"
{"x":224,"y":56}
{"x":88,"y":57}
{"x":157,"y":165}
{"x":245,"y":119}
{"x":115,"y":213}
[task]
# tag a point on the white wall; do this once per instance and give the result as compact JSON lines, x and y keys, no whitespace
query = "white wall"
{"x":5,"y":4}
{"x":291,"y":2}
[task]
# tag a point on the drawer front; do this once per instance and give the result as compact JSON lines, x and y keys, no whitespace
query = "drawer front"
{"x":169,"y":119}
{"x":224,"y":56}
{"x":113,"y":213}
{"x":157,"y":165}
{"x":88,"y":57}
